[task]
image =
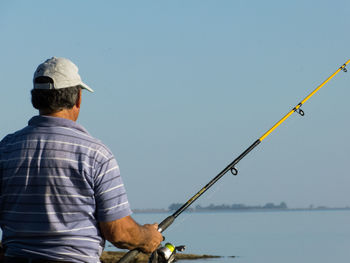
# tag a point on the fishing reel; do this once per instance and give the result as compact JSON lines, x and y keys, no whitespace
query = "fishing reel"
{"x":165,"y":254}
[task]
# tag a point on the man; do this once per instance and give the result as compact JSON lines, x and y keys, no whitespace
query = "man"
{"x":61,"y":191}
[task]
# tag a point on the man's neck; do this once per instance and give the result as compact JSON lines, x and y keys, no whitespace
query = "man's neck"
{"x":70,"y":114}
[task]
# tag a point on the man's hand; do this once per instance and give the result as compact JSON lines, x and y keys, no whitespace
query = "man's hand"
{"x":126,"y":233}
{"x":155,"y":237}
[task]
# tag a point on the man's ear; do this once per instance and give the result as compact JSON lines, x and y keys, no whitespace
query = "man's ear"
{"x":78,"y":102}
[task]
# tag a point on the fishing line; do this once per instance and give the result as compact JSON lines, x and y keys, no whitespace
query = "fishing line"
{"x":232,"y":166}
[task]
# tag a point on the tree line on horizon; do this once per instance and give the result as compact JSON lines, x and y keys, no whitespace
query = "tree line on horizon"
{"x":282,"y":205}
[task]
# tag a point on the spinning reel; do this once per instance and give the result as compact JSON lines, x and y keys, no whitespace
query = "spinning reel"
{"x":165,"y":254}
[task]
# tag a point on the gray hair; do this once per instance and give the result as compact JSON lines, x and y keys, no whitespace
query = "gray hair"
{"x":52,"y":100}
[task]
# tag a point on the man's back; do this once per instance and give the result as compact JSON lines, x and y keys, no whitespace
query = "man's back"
{"x":61,"y":194}
{"x":57,"y":182}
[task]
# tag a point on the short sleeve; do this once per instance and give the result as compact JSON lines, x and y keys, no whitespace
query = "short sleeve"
{"x":110,"y":194}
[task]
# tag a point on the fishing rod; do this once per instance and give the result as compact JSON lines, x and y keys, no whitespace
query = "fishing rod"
{"x":232,"y":166}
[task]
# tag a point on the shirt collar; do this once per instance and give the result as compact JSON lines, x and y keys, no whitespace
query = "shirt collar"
{"x":48,"y":121}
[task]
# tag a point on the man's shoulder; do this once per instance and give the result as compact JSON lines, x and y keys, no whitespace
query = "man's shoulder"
{"x":101,"y":147}
{"x":89,"y":139}
{"x":90,"y":142}
{"x":5,"y":140}
{"x":8,"y":141}
{"x":11,"y":137}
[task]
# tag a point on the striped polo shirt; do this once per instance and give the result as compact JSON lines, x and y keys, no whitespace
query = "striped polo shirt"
{"x":57,"y":182}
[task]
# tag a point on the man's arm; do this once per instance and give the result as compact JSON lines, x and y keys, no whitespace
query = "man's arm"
{"x":126,"y":233}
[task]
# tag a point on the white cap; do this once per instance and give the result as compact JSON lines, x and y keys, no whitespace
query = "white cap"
{"x":62,"y":71}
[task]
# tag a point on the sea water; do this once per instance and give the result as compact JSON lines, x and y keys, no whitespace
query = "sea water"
{"x":255,"y":237}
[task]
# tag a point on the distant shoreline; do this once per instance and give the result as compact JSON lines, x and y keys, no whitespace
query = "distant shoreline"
{"x":155,"y":210}
{"x":114,"y":256}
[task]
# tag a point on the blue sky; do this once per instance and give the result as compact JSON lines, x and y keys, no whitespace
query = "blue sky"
{"x":183,"y":87}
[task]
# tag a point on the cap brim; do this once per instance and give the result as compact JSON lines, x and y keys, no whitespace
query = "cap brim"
{"x":84,"y":86}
